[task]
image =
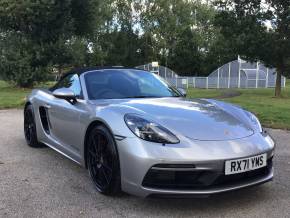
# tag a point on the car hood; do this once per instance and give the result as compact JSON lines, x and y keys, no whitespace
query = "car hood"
{"x":197,"y":119}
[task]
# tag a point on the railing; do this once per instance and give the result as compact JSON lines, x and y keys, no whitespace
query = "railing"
{"x":223,"y":83}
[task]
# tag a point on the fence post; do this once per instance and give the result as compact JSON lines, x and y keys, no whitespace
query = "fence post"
{"x":267,"y":76}
{"x":187,"y":82}
{"x":218,"y":82}
{"x":257,"y":74}
{"x":207,"y":82}
{"x":165,"y":72}
{"x":176,"y":80}
{"x":193,"y":80}
{"x":229,"y":79}
{"x":239,"y":80}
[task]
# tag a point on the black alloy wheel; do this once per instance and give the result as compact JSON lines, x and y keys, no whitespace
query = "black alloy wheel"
{"x":103,"y":161}
{"x":30,"y":128}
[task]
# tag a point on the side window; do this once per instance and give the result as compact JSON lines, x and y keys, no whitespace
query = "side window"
{"x":63,"y":83}
{"x":75,"y":85}
{"x":71,"y":81}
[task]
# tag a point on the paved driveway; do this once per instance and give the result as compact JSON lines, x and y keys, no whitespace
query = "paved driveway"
{"x":43,"y":183}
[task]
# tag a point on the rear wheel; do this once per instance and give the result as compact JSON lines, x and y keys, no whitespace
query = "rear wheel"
{"x":103,"y":161}
{"x":30,"y":128}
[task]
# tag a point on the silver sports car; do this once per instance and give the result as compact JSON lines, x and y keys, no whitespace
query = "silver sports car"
{"x":136,"y":133}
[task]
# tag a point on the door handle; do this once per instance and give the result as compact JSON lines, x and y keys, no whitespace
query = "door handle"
{"x":47,"y":106}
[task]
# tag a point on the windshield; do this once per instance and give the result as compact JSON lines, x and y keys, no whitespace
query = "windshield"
{"x":126,"y":83}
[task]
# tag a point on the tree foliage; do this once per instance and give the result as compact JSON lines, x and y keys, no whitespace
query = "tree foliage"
{"x":183,"y":34}
{"x":22,"y":61}
{"x":243,"y":25}
{"x":191,"y":37}
{"x":36,"y":35}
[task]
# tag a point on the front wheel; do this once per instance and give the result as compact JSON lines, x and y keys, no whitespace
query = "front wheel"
{"x":30,"y":128}
{"x":103,"y":161}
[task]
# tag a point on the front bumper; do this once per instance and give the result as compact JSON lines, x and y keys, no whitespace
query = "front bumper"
{"x":207,"y":184}
{"x":138,"y":158}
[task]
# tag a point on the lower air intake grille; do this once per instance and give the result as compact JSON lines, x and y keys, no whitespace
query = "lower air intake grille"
{"x":160,"y":178}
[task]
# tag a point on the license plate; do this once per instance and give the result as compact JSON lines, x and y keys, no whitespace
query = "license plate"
{"x":245,"y":164}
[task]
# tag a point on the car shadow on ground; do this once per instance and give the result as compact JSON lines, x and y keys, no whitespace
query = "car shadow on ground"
{"x":240,"y":202}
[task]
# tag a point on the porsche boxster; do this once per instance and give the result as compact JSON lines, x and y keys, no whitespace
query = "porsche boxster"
{"x":136,"y":133}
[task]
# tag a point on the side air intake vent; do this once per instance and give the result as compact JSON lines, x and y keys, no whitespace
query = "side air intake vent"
{"x":44,"y":119}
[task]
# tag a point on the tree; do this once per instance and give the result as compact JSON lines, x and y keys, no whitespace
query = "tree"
{"x":243,"y":24}
{"x":122,"y":48}
{"x":182,"y":34}
{"x":43,"y":29}
{"x":22,"y":62}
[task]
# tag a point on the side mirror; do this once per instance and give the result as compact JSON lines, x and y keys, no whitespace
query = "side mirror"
{"x":182,"y":92}
{"x":65,"y":93}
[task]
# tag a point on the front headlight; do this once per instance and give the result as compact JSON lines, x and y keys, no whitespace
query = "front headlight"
{"x":149,"y":130}
{"x":255,"y":121}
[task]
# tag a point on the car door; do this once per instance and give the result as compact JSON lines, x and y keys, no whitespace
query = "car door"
{"x":65,"y":117}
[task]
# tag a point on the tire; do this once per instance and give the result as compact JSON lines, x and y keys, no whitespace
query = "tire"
{"x":30,"y":128}
{"x":103,"y":161}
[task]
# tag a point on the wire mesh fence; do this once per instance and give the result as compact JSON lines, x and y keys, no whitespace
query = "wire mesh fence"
{"x":235,"y":74}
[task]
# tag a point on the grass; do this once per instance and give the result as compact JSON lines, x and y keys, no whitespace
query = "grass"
{"x":13,"y":97}
{"x":273,"y":112}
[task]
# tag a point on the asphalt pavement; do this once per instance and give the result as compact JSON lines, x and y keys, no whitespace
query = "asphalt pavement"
{"x":43,"y":183}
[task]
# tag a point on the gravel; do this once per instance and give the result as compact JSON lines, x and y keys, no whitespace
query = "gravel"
{"x":43,"y":183}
